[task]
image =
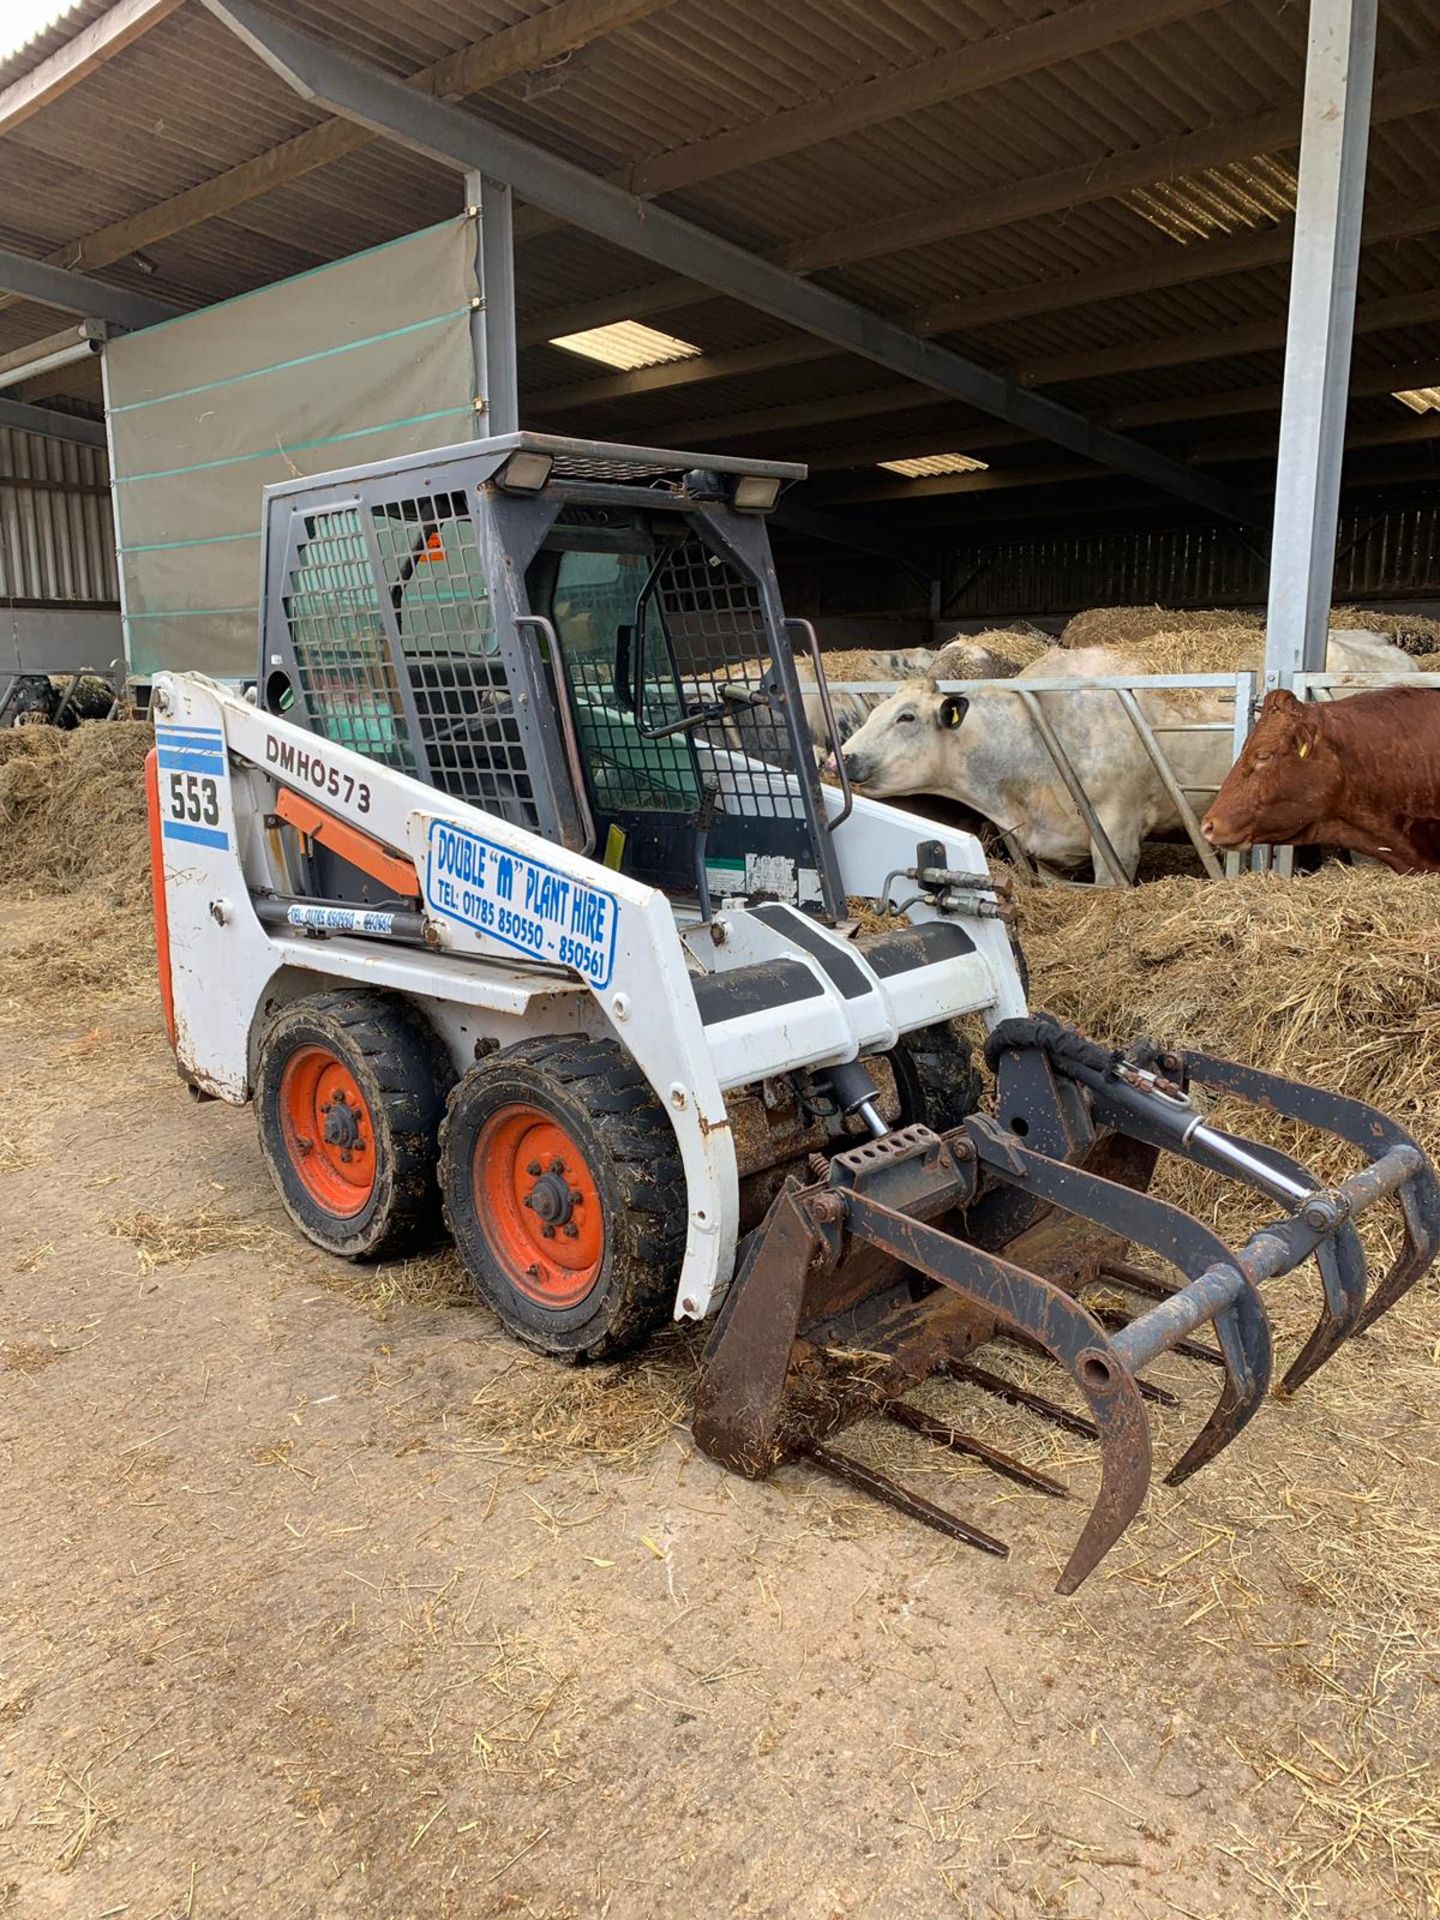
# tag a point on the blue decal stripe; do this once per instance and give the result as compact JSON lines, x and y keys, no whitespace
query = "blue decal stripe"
{"x":192,"y":759}
{"x":201,"y":836}
{"x":183,"y":734}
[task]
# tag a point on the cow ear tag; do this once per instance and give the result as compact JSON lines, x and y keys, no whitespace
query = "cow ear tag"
{"x":1303,"y":749}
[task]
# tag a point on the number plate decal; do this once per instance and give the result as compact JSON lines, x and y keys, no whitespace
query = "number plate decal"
{"x":521,"y":902}
{"x":192,"y":772}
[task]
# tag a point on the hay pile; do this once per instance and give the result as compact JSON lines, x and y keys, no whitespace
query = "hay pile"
{"x":73,"y":838}
{"x":1336,"y":975}
{"x":1334,"y":978}
{"x":72,"y":809}
{"x":1021,"y":644}
{"x":1223,"y":639}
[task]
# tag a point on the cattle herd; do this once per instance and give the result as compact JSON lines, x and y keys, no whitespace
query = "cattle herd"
{"x":1363,"y":774}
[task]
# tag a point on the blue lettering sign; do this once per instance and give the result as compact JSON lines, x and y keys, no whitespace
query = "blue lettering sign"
{"x":521,"y":903}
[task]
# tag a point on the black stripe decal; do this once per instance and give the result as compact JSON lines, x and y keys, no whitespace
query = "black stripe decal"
{"x":923,"y":946}
{"x":759,"y":989}
{"x":832,"y":957}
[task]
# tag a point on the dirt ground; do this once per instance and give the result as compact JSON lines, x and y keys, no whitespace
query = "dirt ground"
{"x":318,"y":1597}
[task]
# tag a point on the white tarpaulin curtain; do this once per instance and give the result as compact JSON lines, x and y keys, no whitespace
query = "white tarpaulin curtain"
{"x":363,"y":358}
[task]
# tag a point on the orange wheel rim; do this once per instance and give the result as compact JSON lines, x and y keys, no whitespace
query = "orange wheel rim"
{"x":538,"y":1206}
{"x":329,"y":1134}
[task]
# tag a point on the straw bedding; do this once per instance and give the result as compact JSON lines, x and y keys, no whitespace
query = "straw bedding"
{"x":1223,"y":639}
{"x":1334,"y":978}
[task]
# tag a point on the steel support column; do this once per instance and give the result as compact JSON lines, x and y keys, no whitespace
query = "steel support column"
{"x":492,"y":324}
{"x":361,"y":92}
{"x":1335,"y":132}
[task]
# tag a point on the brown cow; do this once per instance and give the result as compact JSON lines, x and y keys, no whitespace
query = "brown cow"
{"x":1362,"y":774}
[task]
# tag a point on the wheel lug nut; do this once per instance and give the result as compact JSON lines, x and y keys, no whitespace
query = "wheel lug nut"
{"x":557,"y":1165}
{"x":533,"y":1169}
{"x":547,"y":1232}
{"x":529,"y":1200}
{"x":572,"y":1232}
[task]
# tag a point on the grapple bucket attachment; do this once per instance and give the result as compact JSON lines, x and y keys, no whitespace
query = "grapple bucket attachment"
{"x":916,"y":1249}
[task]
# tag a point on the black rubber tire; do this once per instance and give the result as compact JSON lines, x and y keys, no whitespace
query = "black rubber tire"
{"x":603,"y":1101}
{"x":404,"y":1073}
{"x":936,"y":1077}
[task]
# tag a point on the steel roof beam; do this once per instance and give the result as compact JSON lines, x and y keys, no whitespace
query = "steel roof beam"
{"x":347,"y":86}
{"x":51,"y":425}
{"x":1176,"y":266}
{"x":1218,"y":343}
{"x":53,"y":286}
{"x":1166,"y":350}
{"x":1402,"y":94}
{"x":879,"y":401}
{"x":484,"y":63}
{"x":1067,"y":34}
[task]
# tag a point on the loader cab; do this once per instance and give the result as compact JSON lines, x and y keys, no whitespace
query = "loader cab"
{"x":585,"y":640}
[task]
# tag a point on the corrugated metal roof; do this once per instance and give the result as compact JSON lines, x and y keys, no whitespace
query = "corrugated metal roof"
{"x":186,"y":103}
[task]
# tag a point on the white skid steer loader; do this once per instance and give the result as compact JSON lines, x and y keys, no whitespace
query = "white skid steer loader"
{"x":514,"y":893}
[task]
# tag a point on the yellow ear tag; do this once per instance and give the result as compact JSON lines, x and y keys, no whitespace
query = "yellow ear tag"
{"x":1303,"y":749}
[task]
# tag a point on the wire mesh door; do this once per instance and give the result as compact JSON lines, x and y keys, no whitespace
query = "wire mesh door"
{"x":464,"y":708}
{"x":384,"y":612}
{"x":687,"y":730}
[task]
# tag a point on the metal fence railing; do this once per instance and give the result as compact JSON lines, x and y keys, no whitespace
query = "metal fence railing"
{"x":1241,"y":689}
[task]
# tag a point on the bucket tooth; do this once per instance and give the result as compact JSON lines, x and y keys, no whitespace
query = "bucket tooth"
{"x":944,"y":1435}
{"x":856,"y":1474}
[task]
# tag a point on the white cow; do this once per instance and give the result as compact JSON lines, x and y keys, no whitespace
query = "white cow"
{"x":984,"y":750}
{"x":958,"y":659}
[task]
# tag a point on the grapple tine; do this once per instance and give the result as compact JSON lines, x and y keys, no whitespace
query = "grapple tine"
{"x":1364,"y":1127}
{"x":1342,"y":1273}
{"x":1017,"y":1396}
{"x":944,"y":1435}
{"x":1244,"y":1334}
{"x":1070,"y":1335}
{"x":856,"y":1474}
{"x":1240,"y":1320}
{"x":1421,"y":1207}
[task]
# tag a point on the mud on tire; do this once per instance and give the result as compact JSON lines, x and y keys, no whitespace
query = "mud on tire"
{"x":565,"y":1133}
{"x":366,"y":1069}
{"x":936,"y":1077}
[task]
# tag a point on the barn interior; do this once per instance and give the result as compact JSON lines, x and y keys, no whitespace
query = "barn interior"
{"x":1013,"y":281}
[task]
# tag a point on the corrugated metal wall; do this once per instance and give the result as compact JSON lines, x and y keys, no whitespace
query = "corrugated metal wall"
{"x":1390,"y":555}
{"x":57,"y":543}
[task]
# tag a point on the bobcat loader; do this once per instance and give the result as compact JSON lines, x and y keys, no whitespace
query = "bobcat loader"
{"x":513,"y":893}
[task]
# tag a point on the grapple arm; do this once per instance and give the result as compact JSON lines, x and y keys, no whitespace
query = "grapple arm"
{"x":915,"y":1250}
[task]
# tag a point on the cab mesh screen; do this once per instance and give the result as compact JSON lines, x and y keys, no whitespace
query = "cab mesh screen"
{"x":463,"y":706}
{"x":347,"y":683}
{"x":715,"y":621}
